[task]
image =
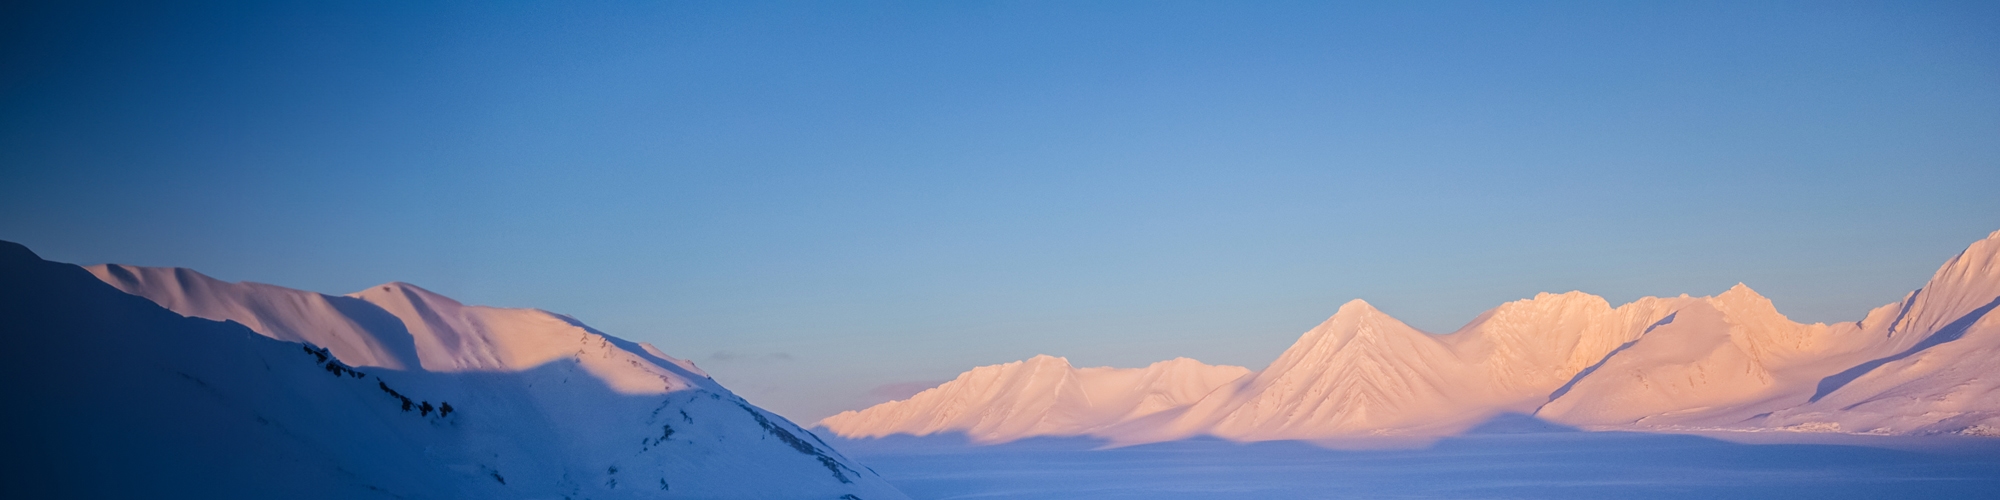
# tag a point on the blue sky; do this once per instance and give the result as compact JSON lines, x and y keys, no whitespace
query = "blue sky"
{"x":812,"y":200}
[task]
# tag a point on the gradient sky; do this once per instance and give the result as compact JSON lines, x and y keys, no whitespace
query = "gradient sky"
{"x":824,"y":203}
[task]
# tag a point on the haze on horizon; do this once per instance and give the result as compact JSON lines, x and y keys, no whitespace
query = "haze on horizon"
{"x":811,"y":201}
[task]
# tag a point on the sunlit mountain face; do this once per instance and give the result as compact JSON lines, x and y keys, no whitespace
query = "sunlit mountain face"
{"x":137,"y":381}
{"x":190,"y":387}
{"x":1728,"y":362}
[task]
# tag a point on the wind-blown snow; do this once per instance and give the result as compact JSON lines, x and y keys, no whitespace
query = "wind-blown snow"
{"x":1726,"y":362}
{"x":257,"y":391}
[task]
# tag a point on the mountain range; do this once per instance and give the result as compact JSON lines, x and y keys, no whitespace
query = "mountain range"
{"x":135,"y":382}
{"x":1731,"y":362}
{"x":128,"y":381}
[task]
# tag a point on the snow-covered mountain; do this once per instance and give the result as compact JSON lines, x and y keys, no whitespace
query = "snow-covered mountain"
{"x":1041,"y":396}
{"x":1730,"y":361}
{"x":243,"y":390}
{"x":1922,"y":365}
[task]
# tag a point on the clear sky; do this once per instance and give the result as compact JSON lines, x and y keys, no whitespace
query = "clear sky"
{"x":822,"y":203}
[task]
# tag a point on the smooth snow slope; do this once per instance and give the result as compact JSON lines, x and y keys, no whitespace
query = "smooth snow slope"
{"x":1727,"y":362}
{"x":117,"y":397}
{"x":1043,"y":395}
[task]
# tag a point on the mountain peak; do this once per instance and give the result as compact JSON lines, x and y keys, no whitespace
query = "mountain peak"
{"x":1041,"y":395}
{"x":1357,"y":306}
{"x":1044,"y":360}
{"x":1740,"y":290}
{"x":1744,"y":304}
{"x":1980,"y":262}
{"x":1964,"y":284}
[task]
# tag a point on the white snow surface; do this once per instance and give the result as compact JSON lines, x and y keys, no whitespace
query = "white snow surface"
{"x":1040,"y":396}
{"x":1727,"y":362}
{"x":244,"y":390}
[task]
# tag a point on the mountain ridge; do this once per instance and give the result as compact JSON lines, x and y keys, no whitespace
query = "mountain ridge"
{"x":163,"y":382}
{"x":1122,"y":395}
{"x":1730,"y":361}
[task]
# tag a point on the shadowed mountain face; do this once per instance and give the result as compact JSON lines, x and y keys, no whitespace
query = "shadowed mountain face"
{"x":1726,"y":362}
{"x":394,"y":393}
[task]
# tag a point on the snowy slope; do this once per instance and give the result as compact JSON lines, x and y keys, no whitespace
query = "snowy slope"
{"x":1359,"y":369}
{"x":1041,"y":396}
{"x":1922,"y":365}
{"x":1360,"y":373}
{"x":1363,"y":373}
{"x":133,"y":400}
{"x":1730,"y":361}
{"x":399,"y":325}
{"x":1719,"y":355}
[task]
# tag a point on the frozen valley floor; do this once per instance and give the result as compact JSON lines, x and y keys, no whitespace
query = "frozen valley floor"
{"x":1479,"y":465}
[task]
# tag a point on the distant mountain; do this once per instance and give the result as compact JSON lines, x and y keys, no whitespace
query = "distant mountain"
{"x":243,"y":390}
{"x":1041,"y":396}
{"x":1728,"y":362}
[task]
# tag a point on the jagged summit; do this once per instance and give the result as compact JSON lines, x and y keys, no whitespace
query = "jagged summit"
{"x":1727,"y":361}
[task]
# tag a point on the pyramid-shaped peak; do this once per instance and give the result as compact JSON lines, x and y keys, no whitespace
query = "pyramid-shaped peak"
{"x":1357,"y":306}
{"x":1741,"y":297}
{"x":1356,"y":318}
{"x":1360,"y":313}
{"x":1743,"y":304}
{"x":1740,"y":290}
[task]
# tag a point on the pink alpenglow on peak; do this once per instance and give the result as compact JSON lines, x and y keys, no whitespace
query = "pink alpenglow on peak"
{"x":400,"y":325}
{"x":393,"y":391}
{"x":1730,"y":362}
{"x":1039,"y":396}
